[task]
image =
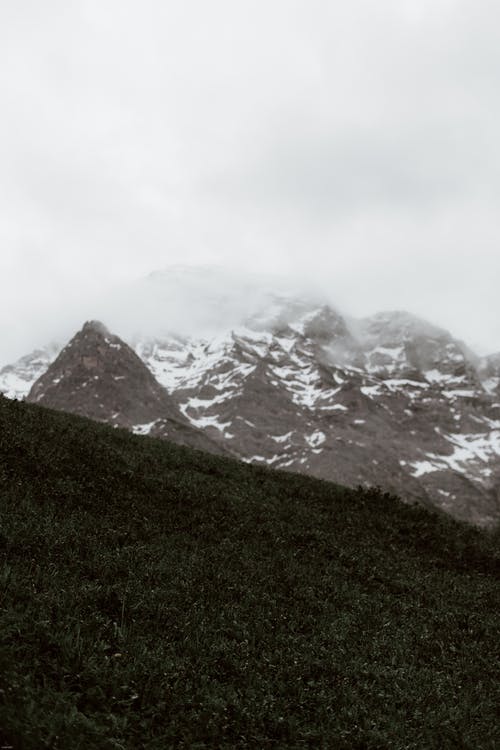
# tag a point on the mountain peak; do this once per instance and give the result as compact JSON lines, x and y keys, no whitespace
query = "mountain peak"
{"x":392,"y":324}
{"x":97,"y":371}
{"x":97,"y":375}
{"x":95,"y":326}
{"x":326,"y":324}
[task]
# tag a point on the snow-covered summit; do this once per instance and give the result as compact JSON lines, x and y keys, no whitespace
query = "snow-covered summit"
{"x":287,"y":381}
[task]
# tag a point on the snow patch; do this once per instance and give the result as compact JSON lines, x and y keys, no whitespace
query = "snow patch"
{"x":204,"y":422}
{"x":142,"y":429}
{"x":424,"y":467}
{"x":316,"y":439}
{"x":371,"y":390}
{"x":334,"y":407}
{"x":282,"y":438}
{"x":459,"y":393}
{"x":470,"y":454}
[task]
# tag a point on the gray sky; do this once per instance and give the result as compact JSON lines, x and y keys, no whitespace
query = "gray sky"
{"x":351,"y":143}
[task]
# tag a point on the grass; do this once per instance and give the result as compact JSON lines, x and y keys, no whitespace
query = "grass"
{"x":152,"y":596}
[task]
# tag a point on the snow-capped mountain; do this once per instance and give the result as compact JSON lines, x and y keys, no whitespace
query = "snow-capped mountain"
{"x":97,"y":375}
{"x":17,"y":379}
{"x":398,"y":403}
{"x":290,"y":383}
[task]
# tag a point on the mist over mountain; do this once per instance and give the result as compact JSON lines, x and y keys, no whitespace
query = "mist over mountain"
{"x":194,"y":300}
{"x":204,"y":300}
{"x":281,"y":378}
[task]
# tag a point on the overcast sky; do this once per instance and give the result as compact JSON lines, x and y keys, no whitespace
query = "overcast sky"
{"x":354,"y":143}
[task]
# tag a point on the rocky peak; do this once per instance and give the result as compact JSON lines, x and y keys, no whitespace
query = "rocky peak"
{"x":278,"y":312}
{"x":326,"y":325}
{"x":98,"y":375}
{"x":399,"y":343}
{"x":95,"y":327}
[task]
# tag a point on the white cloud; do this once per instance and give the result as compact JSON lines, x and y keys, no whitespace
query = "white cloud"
{"x":351,"y":142}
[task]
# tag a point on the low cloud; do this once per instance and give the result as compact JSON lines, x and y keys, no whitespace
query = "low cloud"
{"x":352,"y":144}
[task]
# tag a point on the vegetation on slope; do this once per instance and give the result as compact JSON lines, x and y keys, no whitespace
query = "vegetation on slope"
{"x":152,"y":596}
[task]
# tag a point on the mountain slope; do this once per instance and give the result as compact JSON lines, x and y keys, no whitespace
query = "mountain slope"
{"x":389,"y":400}
{"x":154,"y":596}
{"x":97,"y":375}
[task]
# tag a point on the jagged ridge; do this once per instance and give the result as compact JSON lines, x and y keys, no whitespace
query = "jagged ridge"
{"x":388,"y":400}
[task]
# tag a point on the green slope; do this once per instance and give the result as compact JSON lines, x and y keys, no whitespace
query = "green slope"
{"x":152,"y":597}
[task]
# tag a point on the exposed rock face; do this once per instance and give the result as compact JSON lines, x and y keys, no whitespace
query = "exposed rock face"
{"x":98,"y":376}
{"x":388,"y":400}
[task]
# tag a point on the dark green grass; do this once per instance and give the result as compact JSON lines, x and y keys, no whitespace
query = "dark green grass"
{"x":155,"y":597}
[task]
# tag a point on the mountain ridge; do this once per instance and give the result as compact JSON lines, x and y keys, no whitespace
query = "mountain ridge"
{"x":389,"y":400}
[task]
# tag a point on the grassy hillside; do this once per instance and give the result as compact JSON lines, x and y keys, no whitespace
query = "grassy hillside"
{"x":155,"y":597}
